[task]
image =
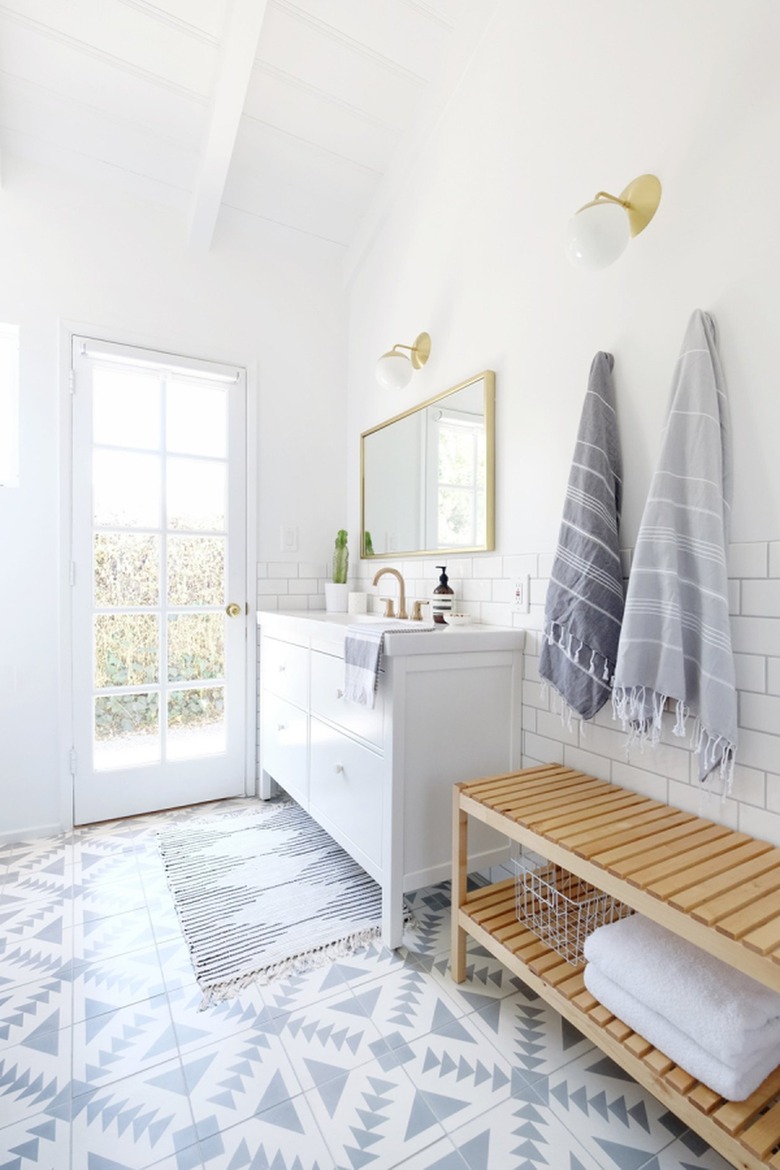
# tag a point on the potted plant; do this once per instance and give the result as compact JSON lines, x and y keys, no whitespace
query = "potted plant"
{"x":337,"y":589}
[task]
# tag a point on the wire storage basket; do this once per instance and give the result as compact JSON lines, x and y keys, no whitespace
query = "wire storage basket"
{"x":559,"y":907}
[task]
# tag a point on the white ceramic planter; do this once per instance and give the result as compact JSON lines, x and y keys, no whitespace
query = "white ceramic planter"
{"x":336,"y":597}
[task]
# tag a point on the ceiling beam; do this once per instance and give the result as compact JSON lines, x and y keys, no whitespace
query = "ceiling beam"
{"x":239,"y":49}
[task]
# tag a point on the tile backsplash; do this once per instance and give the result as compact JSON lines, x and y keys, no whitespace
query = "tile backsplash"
{"x":485,"y":588}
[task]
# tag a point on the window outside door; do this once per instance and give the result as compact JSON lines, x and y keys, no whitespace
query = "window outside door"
{"x":158,"y":580}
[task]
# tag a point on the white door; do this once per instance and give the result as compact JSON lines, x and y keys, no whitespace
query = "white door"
{"x":158,"y":580}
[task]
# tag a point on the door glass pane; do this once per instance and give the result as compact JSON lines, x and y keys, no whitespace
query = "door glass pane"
{"x":196,"y":494}
{"x":196,"y":722}
{"x":196,"y":570}
{"x":127,"y":569}
{"x":126,"y":408}
{"x":125,"y":489}
{"x":126,"y":649}
{"x":127,"y":730}
{"x":196,"y":418}
{"x":196,"y":646}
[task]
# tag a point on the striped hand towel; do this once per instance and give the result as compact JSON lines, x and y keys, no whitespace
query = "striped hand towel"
{"x":676,"y":639}
{"x":584,"y":605}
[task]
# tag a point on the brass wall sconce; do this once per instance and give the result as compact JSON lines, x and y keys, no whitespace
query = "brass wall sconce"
{"x":599,"y":232}
{"x":394,"y":369}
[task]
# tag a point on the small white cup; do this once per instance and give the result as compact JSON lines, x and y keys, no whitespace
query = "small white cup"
{"x":357,"y":603}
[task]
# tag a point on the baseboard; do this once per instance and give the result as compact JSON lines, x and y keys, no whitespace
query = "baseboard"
{"x":441,"y":873}
{"x":28,"y":834}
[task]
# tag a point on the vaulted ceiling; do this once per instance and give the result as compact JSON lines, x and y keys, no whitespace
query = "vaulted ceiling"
{"x":299,"y":112}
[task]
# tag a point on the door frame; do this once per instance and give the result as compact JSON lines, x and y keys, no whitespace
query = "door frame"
{"x":67,"y":329}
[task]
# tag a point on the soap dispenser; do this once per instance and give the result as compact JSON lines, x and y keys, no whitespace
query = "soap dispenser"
{"x":443,"y":597}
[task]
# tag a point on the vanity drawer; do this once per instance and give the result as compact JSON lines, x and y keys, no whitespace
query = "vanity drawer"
{"x":284,"y":670}
{"x":327,"y":700}
{"x":345,"y":792}
{"x":284,"y":747}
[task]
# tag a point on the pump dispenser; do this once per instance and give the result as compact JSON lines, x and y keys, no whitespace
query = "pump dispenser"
{"x":443,"y":597}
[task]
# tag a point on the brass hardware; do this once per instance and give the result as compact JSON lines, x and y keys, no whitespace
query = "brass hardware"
{"x":417,"y":610}
{"x":389,"y":607}
{"x":640,"y":200}
{"x":233,"y":609}
{"x":402,"y":592}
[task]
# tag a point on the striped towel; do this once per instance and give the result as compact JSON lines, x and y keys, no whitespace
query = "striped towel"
{"x":676,"y":639}
{"x":584,"y":605}
{"x":363,"y":649}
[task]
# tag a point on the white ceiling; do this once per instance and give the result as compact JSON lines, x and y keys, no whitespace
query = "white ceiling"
{"x":300,"y":112}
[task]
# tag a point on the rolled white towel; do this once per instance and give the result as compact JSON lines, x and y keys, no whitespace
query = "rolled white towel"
{"x":734,"y":1082}
{"x":725,"y":1012}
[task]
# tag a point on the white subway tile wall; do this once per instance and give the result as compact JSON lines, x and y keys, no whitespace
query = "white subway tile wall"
{"x":484,"y":588}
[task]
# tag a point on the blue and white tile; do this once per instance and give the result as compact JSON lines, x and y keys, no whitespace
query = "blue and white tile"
{"x":198,"y":1027}
{"x":406,"y":1004}
{"x":324,"y":1041}
{"x":283,"y":1137}
{"x":431,"y":930}
{"x":374,"y":1116}
{"x":519,"y":1135}
{"x":35,"y":957}
{"x":689,"y":1152}
{"x":487,"y":979}
{"x":457,"y":1075}
{"x":36,"y":1074}
{"x":98,"y":937}
{"x":232,"y":1080}
{"x":41,"y":1142}
{"x":530,"y":1034}
{"x":135,"y":1122}
{"x":103,"y":985}
{"x":111,"y":1045}
{"x":28,"y":1012}
{"x":620,"y":1124}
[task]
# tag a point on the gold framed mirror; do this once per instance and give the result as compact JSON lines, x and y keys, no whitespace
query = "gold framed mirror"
{"x":428,"y":476}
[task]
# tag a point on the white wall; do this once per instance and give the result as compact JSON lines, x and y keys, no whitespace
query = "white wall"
{"x":261,"y":297}
{"x":561,"y":100}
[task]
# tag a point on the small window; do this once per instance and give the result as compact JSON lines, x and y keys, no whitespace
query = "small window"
{"x":9,"y":405}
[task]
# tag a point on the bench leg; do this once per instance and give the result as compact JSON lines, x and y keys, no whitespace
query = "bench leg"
{"x":459,"y":874}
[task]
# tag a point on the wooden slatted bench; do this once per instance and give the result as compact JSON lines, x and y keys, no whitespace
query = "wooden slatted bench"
{"x":715,"y":887}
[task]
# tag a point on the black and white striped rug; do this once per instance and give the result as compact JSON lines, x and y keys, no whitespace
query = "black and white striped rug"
{"x":262,"y":891}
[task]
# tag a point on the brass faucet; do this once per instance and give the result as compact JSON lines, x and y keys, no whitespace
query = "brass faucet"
{"x":402,"y":588}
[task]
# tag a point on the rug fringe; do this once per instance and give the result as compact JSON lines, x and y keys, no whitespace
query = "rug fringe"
{"x":294,"y":965}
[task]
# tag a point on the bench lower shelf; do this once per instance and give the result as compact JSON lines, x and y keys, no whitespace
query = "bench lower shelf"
{"x":746,"y":1133}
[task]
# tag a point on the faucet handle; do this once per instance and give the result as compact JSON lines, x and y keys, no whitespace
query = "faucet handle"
{"x":389,"y":607}
{"x":417,"y":610}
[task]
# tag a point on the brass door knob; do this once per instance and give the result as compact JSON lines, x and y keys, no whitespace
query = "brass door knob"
{"x":233,"y":610}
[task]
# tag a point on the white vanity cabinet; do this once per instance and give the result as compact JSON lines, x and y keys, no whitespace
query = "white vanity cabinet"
{"x":379,"y":780}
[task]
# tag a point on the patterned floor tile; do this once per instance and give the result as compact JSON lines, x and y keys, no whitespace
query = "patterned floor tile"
{"x":487,"y":979}
{"x":98,"y":937}
{"x":36,"y":1143}
{"x":28,"y":1012}
{"x":111,"y":1045}
{"x":689,"y":1152}
{"x":430,"y":908}
{"x":519,"y":1135}
{"x":34,"y":1075}
{"x":135,"y":1122}
{"x":620,"y":1124}
{"x":234,"y":1079}
{"x":103,"y":985}
{"x":34,"y":956}
{"x":283,"y":1137}
{"x":458,"y":1076}
{"x":405,"y":1005}
{"x":529,"y":1034}
{"x":375,"y":1116}
{"x":198,"y":1027}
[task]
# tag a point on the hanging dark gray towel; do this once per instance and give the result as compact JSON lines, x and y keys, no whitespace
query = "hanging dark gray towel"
{"x":676,"y":640}
{"x":584,"y":607}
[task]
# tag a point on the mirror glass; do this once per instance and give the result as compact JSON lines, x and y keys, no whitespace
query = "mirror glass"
{"x":428,"y":475}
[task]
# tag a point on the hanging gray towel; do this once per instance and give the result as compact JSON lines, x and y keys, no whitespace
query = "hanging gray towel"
{"x":584,"y":606}
{"x":676,"y":639}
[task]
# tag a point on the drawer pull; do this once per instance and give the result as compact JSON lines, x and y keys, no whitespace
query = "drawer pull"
{"x":282,"y":668}
{"x":339,"y":692}
{"x":338,"y":768}
{"x":281,"y":727}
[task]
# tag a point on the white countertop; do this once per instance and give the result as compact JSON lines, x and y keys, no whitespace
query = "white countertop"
{"x":316,"y":627}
